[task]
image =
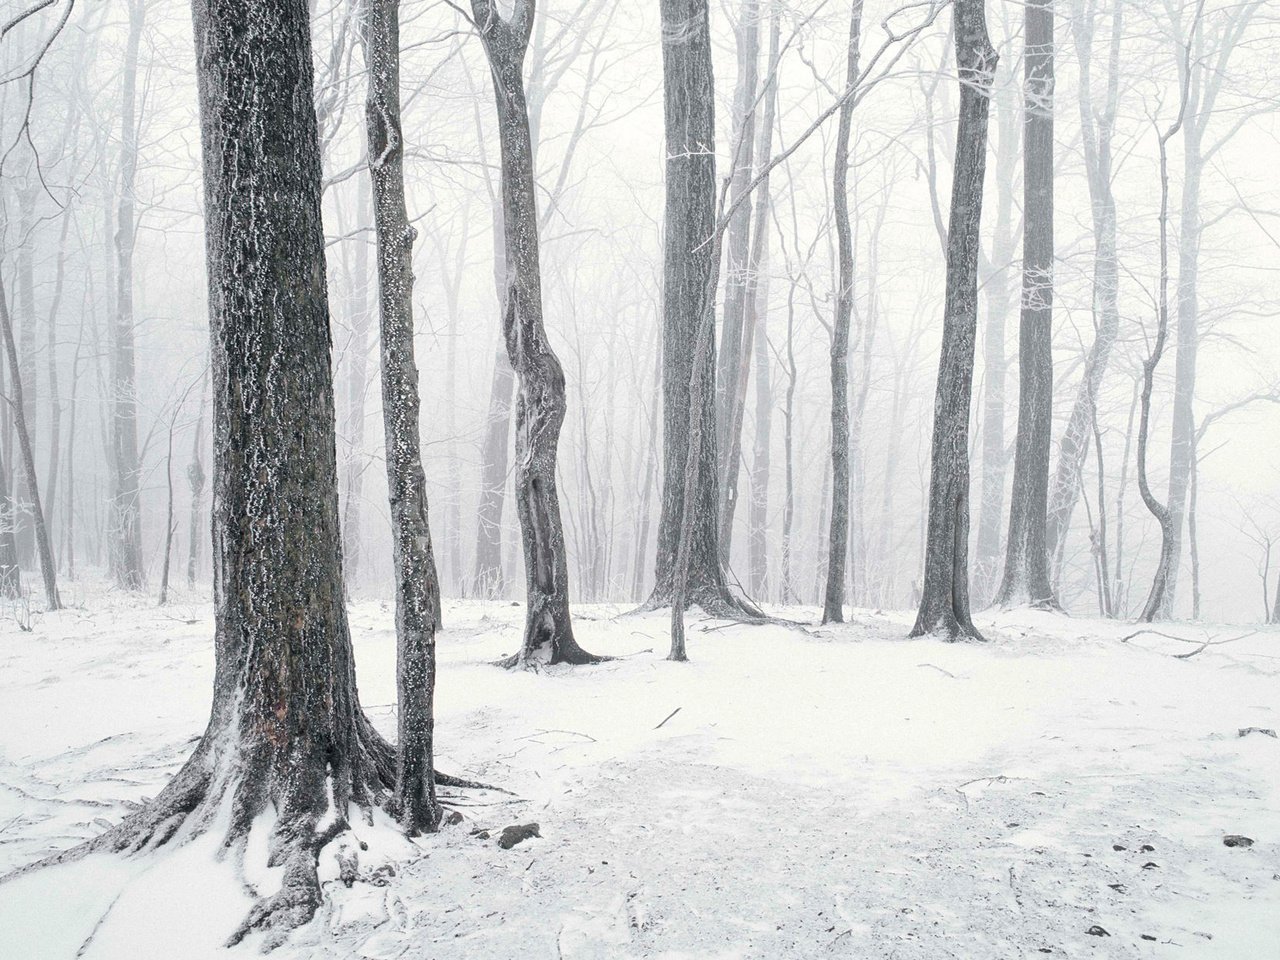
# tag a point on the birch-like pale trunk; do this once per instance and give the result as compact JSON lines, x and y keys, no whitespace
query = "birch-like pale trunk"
{"x":838,"y":537}
{"x":1026,"y":564}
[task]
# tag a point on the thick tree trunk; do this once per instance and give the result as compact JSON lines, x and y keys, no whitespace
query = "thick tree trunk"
{"x":1097,"y":131}
{"x":540,"y":398}
{"x":689,"y":262}
{"x":44,"y":551}
{"x":286,"y":730}
{"x":838,"y":547}
{"x":944,"y":601}
{"x":1026,"y":565}
{"x":417,"y":585}
{"x":126,"y":504}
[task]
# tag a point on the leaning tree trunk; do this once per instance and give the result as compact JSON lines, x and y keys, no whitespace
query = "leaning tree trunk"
{"x":689,"y":262}
{"x":44,"y":550}
{"x":944,"y":602}
{"x":286,"y":731}
{"x":838,"y":548}
{"x":540,"y":397}
{"x":1026,"y":565}
{"x":417,"y":586}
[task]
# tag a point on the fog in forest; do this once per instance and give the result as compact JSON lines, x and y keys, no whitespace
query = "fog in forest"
{"x":79,"y":162}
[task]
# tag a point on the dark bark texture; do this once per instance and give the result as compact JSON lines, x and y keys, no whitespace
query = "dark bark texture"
{"x":417,"y":584}
{"x":689,"y":262}
{"x":944,"y":602}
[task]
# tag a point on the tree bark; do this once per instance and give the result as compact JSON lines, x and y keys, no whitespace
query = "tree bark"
{"x":44,"y":551}
{"x":733,"y":359}
{"x":944,"y":601}
{"x":126,"y":503}
{"x":540,"y":397}
{"x":417,"y":585}
{"x":1097,"y":130}
{"x":1026,"y":565}
{"x":689,"y":262}
{"x":995,"y":364}
{"x":838,"y":547}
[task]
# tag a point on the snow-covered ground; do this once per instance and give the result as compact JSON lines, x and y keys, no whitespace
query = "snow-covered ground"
{"x":819,"y":791}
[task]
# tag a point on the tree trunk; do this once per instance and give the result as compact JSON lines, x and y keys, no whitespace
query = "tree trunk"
{"x":734,"y":356}
{"x":944,"y":601}
{"x":27,"y":376}
{"x":838,"y":548}
{"x":540,"y":398}
{"x":286,"y":730}
{"x":1026,"y":565}
{"x":417,"y":585}
{"x":44,"y":551}
{"x":10,"y":574}
{"x":1096,"y":138}
{"x":995,"y":364}
{"x":689,"y":262}
{"x":126,"y":504}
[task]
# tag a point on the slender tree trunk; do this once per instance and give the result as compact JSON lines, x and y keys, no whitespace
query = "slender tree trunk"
{"x":417,"y":585}
{"x":195,"y":481}
{"x":355,"y":458}
{"x":10,"y":574}
{"x":27,"y":375}
{"x":944,"y":602}
{"x":1097,"y":131}
{"x":1026,"y":565}
{"x":995,"y":363}
{"x":168,"y":517}
{"x":838,"y":549}
{"x":44,"y":551}
{"x":126,"y":504}
{"x":540,"y":399}
{"x":51,"y":349}
{"x":733,"y":359}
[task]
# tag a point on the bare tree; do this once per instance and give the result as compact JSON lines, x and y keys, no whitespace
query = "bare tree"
{"x":126,"y":506}
{"x":417,"y":585}
{"x":540,"y":398}
{"x":838,"y":551}
{"x":944,"y":603}
{"x":1026,"y":566}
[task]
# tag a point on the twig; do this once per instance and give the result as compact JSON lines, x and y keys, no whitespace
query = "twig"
{"x":669,"y":716}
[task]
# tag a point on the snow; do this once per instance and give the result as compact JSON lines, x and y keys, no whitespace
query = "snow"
{"x":819,"y":791}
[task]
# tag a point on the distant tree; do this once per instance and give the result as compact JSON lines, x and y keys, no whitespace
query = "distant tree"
{"x":944,"y":602}
{"x":838,"y":550}
{"x":1026,"y":565}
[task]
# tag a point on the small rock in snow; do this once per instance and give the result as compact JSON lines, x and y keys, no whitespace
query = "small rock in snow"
{"x":1147,"y":848}
{"x":1235,"y":840}
{"x":453,"y":818}
{"x":1097,"y":931}
{"x":1118,"y":847}
{"x":517,"y":833}
{"x":1149,"y":865}
{"x":1147,"y":936}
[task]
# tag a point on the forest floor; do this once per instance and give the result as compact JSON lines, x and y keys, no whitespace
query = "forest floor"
{"x":819,"y":791}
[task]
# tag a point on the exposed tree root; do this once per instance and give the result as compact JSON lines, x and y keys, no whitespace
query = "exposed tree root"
{"x":246,"y":784}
